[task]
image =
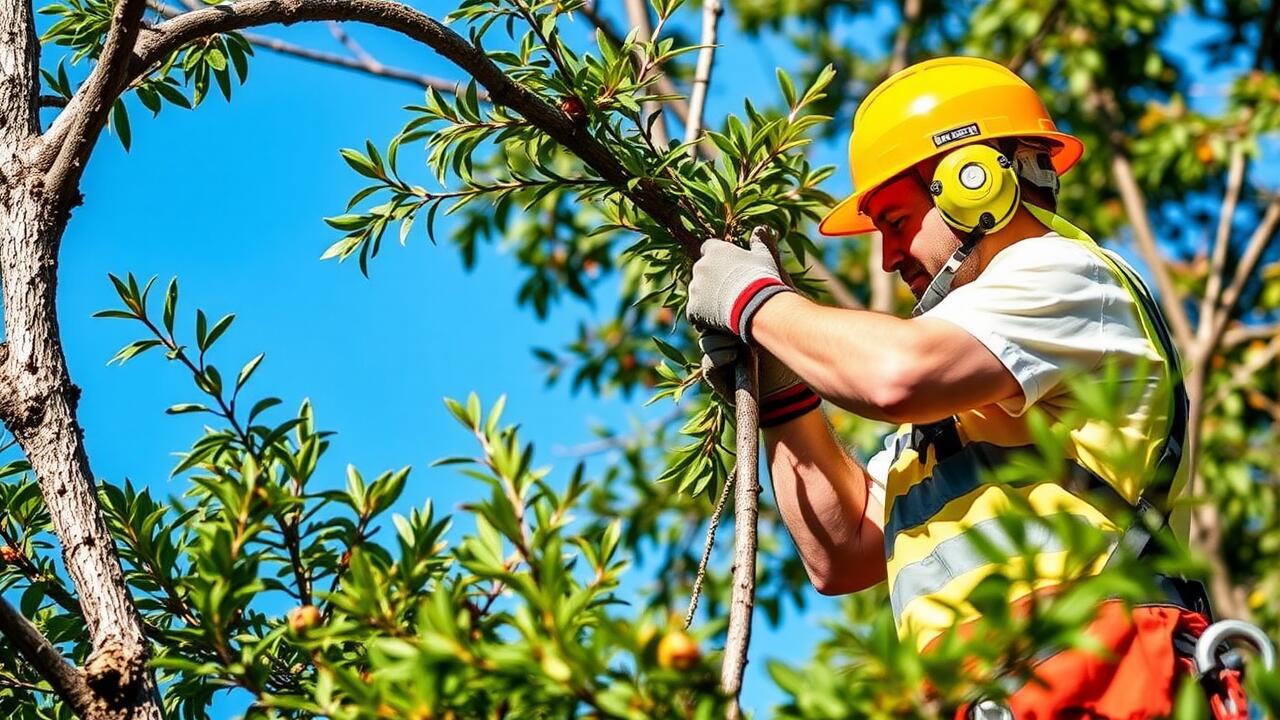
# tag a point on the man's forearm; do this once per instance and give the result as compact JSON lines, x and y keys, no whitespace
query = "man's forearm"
{"x":825,"y":500}
{"x":823,"y":345}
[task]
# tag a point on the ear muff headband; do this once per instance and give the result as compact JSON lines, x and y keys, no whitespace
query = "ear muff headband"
{"x":975,"y":188}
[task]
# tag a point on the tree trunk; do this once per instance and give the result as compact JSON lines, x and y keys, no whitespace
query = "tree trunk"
{"x":37,"y":398}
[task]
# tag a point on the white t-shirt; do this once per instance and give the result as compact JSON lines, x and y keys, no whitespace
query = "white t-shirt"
{"x":1045,"y":307}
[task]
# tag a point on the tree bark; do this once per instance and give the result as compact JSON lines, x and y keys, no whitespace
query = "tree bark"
{"x":37,"y":398}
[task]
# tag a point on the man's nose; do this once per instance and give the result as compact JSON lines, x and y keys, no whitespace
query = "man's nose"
{"x":890,"y":254}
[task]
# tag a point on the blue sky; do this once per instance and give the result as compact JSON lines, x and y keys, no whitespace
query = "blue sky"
{"x":230,"y":200}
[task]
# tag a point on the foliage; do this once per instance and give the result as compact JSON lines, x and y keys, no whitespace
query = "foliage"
{"x":264,"y":581}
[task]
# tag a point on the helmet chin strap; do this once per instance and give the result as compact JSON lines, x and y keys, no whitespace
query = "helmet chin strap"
{"x":941,"y":283}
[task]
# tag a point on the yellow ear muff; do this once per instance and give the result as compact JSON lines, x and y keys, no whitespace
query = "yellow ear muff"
{"x":976,"y":189}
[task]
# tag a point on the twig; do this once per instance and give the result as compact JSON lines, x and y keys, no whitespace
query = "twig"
{"x":68,"y":682}
{"x":902,"y":39}
{"x":746,"y":512}
{"x":707,"y":547}
{"x":711,"y":11}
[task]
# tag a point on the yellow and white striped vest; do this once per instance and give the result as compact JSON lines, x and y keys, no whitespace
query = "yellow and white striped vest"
{"x":942,"y":502}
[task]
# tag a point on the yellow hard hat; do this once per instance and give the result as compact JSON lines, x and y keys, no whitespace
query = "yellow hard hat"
{"x":933,"y":107}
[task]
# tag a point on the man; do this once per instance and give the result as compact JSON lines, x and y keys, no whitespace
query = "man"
{"x":956,"y":163}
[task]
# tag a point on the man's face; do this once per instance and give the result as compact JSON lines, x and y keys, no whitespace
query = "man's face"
{"x":917,"y":242}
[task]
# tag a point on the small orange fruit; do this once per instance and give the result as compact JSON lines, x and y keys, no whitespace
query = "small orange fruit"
{"x":678,"y":651}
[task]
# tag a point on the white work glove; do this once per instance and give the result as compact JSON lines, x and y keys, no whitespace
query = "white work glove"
{"x":783,"y":395}
{"x":730,"y":284}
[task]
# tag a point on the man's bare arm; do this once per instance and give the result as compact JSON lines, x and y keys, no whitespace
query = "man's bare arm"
{"x":879,"y":366}
{"x":825,"y":500}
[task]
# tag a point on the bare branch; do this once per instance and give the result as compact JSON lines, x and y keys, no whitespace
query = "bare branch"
{"x":711,"y":11}
{"x":1221,"y":242}
{"x":1262,"y":235}
{"x":746,"y":513}
{"x":160,"y":41}
{"x":52,"y":101}
{"x":77,"y":132}
{"x":68,"y":682}
{"x":1135,"y":206}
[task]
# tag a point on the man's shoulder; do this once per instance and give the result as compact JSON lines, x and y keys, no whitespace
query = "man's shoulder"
{"x":1050,"y":253}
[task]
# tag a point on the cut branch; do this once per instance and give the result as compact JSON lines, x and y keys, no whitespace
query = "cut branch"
{"x":68,"y":682}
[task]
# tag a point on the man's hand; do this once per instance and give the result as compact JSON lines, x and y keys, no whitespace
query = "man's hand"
{"x":783,"y":395}
{"x":730,"y":284}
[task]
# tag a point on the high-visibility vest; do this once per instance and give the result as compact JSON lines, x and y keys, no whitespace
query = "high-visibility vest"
{"x":944,"y":495}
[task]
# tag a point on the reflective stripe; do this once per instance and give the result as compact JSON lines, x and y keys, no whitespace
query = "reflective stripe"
{"x":952,"y":478}
{"x":958,"y":555}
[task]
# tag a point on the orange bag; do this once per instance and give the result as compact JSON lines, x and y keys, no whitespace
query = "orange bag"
{"x":1139,"y":680}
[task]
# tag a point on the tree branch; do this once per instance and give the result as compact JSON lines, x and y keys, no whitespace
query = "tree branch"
{"x":76,"y":132}
{"x":68,"y":682}
{"x":1262,"y":235}
{"x":746,"y":513}
{"x":158,"y":42}
{"x":1135,"y":206}
{"x":1222,"y":240}
{"x":711,"y":11}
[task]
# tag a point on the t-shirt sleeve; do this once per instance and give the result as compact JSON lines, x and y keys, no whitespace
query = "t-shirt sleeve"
{"x":1039,"y":307}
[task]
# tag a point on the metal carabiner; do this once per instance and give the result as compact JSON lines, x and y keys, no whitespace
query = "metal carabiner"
{"x":1206,"y":657}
